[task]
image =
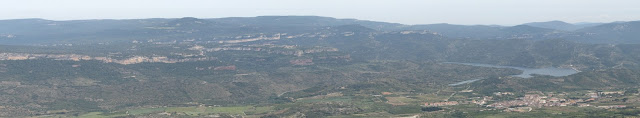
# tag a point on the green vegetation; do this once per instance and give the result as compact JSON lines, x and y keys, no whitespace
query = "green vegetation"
{"x":295,"y":66}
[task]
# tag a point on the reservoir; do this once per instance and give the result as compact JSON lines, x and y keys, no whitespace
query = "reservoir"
{"x":552,"y":71}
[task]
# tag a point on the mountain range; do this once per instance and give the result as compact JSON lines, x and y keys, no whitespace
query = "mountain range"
{"x":35,"y":31}
{"x":311,"y":66}
{"x":559,"y":25}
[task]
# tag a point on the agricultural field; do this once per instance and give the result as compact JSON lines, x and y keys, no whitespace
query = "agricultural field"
{"x":184,"y":111}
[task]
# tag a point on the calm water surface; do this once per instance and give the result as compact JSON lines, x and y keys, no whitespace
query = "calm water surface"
{"x":552,"y":71}
{"x":526,"y":72}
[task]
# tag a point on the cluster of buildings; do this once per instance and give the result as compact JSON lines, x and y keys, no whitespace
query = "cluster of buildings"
{"x":25,"y":56}
{"x":8,"y":35}
{"x":538,"y":100}
{"x":535,"y":100}
{"x":484,"y":100}
{"x":156,"y":59}
{"x":519,"y":109}
{"x":75,"y":57}
{"x":437,"y":104}
{"x":286,"y":50}
{"x":261,"y":37}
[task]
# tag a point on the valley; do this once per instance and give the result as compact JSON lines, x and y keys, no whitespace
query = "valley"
{"x":309,"y":66}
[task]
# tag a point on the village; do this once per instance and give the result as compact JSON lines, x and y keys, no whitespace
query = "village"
{"x":536,"y":99}
{"x":76,"y":57}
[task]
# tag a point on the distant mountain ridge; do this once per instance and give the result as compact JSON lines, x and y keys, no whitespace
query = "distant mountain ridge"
{"x":559,"y":25}
{"x":34,"y":31}
{"x":619,"y":32}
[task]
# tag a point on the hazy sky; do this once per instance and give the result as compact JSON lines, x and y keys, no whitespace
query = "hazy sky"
{"x":503,"y":12}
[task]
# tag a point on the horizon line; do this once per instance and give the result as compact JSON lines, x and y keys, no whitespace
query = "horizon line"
{"x":89,"y":19}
